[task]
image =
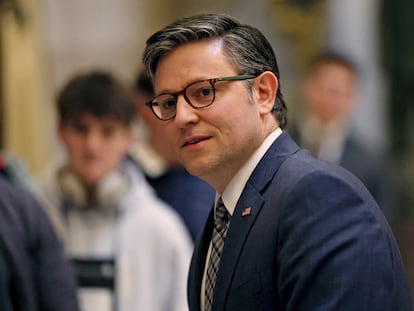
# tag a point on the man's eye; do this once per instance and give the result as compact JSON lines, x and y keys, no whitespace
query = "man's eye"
{"x":108,"y":131}
{"x":207,"y":91}
{"x":203,"y":92}
{"x":80,"y":128}
{"x":168,"y":104}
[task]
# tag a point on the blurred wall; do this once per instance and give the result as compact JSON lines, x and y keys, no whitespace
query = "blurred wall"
{"x":78,"y":35}
{"x":353,"y":28}
{"x":25,"y":116}
{"x":81,"y":35}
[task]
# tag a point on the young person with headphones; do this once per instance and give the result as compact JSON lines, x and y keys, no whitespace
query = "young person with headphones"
{"x":130,"y":249}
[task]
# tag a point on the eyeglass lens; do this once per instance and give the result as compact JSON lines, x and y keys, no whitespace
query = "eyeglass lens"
{"x":198,"y":95}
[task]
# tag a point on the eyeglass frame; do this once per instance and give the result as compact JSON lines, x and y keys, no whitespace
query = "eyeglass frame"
{"x":212,"y":82}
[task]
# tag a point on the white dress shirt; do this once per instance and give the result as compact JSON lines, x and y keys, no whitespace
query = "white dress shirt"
{"x":232,"y":192}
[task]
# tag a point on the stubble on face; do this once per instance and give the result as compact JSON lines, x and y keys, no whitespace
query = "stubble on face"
{"x":230,"y":127}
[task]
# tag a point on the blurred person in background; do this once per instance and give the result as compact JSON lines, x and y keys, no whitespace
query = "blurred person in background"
{"x":14,"y":169}
{"x":329,"y":99}
{"x":130,"y":249}
{"x":190,"y":196}
{"x":35,"y":274}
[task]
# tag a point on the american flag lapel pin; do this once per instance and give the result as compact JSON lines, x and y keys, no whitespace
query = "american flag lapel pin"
{"x":247,"y":211}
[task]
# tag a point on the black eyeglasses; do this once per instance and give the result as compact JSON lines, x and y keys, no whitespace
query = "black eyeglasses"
{"x":198,"y":94}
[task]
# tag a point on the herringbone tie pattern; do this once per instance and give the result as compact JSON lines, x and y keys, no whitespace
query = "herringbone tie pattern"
{"x":217,"y":243}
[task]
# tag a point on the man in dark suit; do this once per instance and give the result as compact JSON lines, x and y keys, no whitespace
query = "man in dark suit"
{"x":294,"y":233}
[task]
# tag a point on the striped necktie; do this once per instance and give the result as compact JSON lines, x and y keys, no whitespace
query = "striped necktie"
{"x":217,"y":243}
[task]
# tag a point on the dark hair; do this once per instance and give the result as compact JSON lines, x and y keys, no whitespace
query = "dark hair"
{"x":245,"y":46}
{"x":332,"y":57}
{"x":143,"y":83}
{"x":97,"y":93}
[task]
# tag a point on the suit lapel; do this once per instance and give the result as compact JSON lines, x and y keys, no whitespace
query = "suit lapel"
{"x":249,"y":205}
{"x":245,"y":213}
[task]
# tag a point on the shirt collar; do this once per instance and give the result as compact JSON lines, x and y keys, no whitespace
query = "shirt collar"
{"x":231,"y":194}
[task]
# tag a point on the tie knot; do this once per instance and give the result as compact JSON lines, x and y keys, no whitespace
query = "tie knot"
{"x":221,"y":211}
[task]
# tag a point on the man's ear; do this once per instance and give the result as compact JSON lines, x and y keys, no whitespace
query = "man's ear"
{"x":265,"y":89}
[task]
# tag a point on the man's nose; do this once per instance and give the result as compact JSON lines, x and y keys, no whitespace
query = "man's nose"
{"x":185,"y":113}
{"x":93,"y":141}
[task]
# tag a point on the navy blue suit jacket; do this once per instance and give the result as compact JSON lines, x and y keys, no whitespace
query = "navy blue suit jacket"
{"x":315,"y":240}
{"x":370,"y":166}
{"x":38,"y":275}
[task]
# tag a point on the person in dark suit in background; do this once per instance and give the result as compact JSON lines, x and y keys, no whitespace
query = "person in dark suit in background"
{"x":189,"y":195}
{"x":295,"y":233}
{"x":34,"y":272}
{"x":329,"y":97}
{"x":14,"y":169}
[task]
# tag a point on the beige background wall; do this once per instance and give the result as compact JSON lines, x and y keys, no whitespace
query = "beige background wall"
{"x":64,"y":37}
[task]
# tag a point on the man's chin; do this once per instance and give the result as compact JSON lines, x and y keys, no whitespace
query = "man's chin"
{"x":196,"y":169}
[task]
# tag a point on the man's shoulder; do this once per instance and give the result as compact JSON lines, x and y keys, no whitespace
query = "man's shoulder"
{"x":14,"y":197}
{"x":302,"y":167}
